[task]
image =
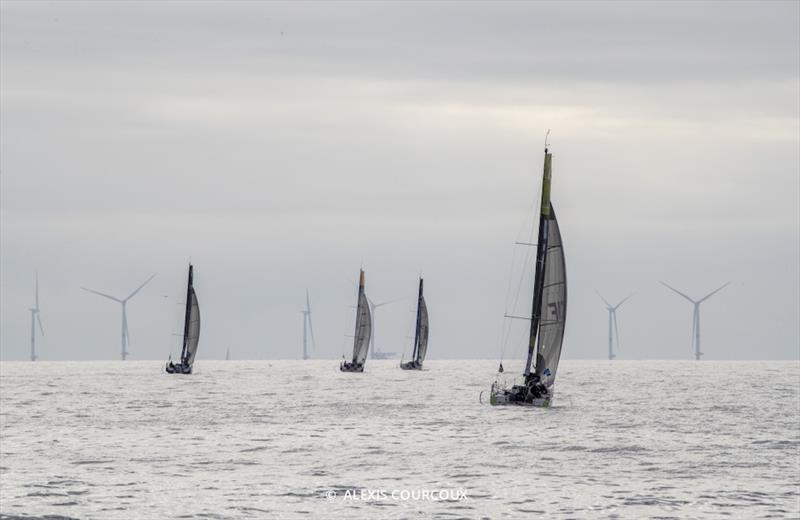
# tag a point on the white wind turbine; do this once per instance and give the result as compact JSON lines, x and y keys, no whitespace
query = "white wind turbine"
{"x":307,"y":327}
{"x":373,"y":352}
{"x":125,"y":337}
{"x":696,"y":316}
{"x":34,"y":319}
{"x":612,"y":317}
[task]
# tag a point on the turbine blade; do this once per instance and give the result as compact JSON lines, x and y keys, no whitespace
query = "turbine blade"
{"x":139,"y":288}
{"x":677,"y":291}
{"x":616,"y":330}
{"x":701,"y":299}
{"x":39,"y":319}
{"x":308,"y":303}
{"x":623,"y":301}
{"x":37,"y":289}
{"x":604,"y":300}
{"x":376,"y":305}
{"x":102,"y":294}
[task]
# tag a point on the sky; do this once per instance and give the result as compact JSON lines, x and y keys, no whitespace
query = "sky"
{"x":282,"y":146}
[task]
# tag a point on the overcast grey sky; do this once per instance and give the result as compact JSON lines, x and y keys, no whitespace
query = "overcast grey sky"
{"x":282,"y":146}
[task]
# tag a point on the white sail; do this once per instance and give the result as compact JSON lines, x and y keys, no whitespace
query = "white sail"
{"x":363,"y":329}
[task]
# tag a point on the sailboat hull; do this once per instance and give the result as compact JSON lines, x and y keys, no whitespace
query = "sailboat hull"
{"x":411,"y":365}
{"x":501,"y":396}
{"x":172,"y":368}
{"x":351,"y":367}
{"x":503,"y":399}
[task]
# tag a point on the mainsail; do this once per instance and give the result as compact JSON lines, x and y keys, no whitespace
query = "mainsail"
{"x":421,"y":333}
{"x":549,"y":290}
{"x":553,"y":310}
{"x":363,"y":325}
{"x":191,"y":326}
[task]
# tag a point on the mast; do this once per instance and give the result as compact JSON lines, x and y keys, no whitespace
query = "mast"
{"x":33,"y":335}
{"x":416,"y":329}
{"x":188,"y":315}
{"x":610,"y":336}
{"x":697,"y":352}
{"x":305,"y":335}
{"x":541,"y":254}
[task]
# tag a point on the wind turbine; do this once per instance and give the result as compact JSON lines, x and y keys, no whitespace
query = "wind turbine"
{"x":125,"y":337}
{"x":612,"y":317}
{"x":696,"y":316}
{"x":373,"y":352}
{"x":307,"y":327}
{"x":35,"y":318}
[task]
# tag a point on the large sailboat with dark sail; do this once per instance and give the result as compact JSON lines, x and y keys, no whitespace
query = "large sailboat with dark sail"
{"x":420,"y":335}
{"x":191,"y":331}
{"x":548,"y":315}
{"x":362,"y":333}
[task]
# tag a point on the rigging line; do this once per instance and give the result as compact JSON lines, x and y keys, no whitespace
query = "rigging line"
{"x":505,"y":328}
{"x":523,"y":272}
{"x":525,"y":221}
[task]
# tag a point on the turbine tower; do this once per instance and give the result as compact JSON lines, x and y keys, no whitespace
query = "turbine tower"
{"x":373,"y":352}
{"x":696,"y":316}
{"x":34,"y":319}
{"x":612,"y":317}
{"x":125,"y":337}
{"x":307,"y":327}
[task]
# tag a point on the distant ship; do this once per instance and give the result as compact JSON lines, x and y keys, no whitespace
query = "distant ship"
{"x":377,"y":354}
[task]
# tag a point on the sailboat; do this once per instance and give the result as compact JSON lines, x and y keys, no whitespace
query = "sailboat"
{"x":362,"y":333}
{"x":548,"y":315}
{"x":420,"y":335}
{"x":191,"y":331}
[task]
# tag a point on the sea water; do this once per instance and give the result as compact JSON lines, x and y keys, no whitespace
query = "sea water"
{"x":294,"y":439}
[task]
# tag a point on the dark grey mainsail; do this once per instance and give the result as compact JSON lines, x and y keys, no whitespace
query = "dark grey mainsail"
{"x":421,"y":333}
{"x":191,"y":328}
{"x":553,"y":309}
{"x":363,"y":325}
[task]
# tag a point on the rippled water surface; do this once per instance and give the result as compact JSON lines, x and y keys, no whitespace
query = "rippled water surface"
{"x":271,"y":439}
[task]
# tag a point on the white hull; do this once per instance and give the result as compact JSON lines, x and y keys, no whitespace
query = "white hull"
{"x":502,"y":397}
{"x":501,"y":394}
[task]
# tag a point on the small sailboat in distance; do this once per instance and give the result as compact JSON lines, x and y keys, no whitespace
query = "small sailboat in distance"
{"x":420,"y":335}
{"x":548,"y":315}
{"x":362,"y":333}
{"x":191,"y":331}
